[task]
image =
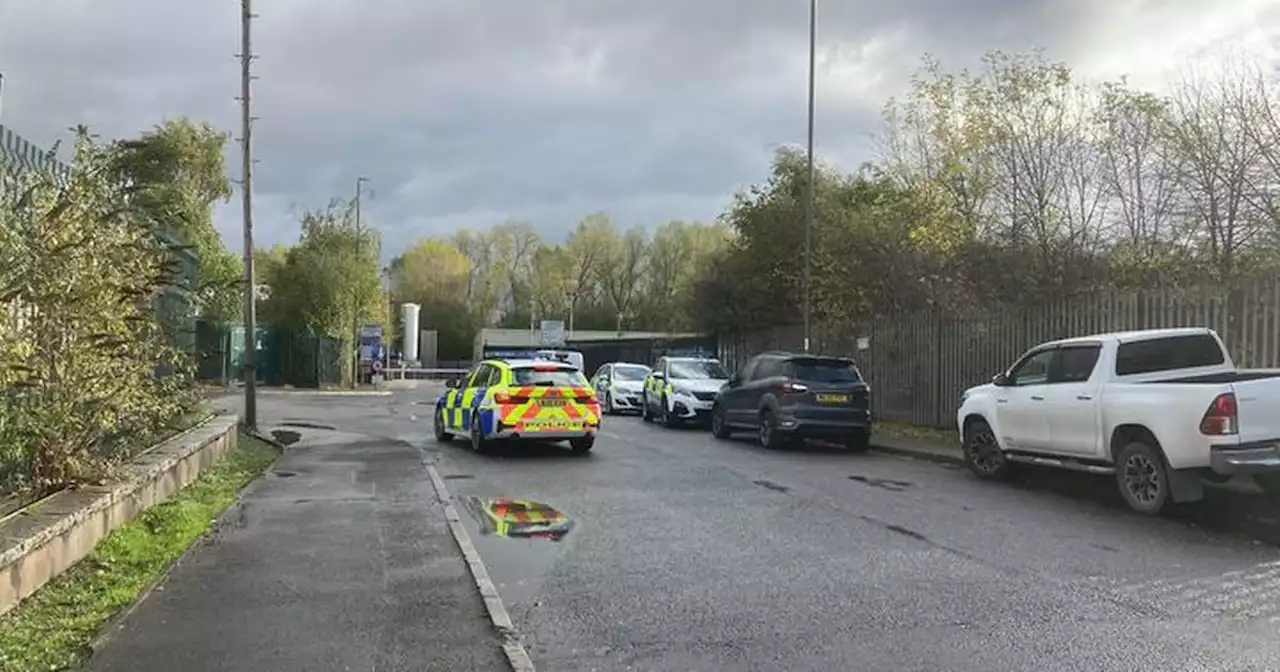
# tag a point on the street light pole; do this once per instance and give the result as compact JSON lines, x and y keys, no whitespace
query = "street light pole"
{"x":808,"y":203}
{"x":355,"y":294}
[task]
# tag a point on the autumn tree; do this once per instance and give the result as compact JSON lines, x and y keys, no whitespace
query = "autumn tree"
{"x":175,"y":173}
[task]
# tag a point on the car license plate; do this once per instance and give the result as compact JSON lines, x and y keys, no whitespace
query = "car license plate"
{"x":833,"y":398}
{"x":553,"y":403}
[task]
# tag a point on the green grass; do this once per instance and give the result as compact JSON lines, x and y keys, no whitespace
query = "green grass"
{"x":52,"y":629}
{"x":903,"y":430}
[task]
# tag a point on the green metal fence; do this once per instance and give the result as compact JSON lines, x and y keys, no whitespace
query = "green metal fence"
{"x":286,"y":356}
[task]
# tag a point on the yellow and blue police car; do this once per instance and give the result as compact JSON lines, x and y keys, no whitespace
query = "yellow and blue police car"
{"x":515,"y":399}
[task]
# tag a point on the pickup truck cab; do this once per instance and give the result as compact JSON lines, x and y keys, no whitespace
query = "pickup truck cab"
{"x":1159,"y":409}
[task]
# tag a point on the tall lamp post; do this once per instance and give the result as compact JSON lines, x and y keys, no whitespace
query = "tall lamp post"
{"x":355,"y":293}
{"x":808,"y":199}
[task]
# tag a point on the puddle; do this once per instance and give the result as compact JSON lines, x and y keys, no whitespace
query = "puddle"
{"x":518,"y":518}
{"x":458,"y":477}
{"x":885,"y":483}
{"x":285,"y":437}
{"x":307,"y":424}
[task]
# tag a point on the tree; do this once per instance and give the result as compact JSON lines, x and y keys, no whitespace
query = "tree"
{"x":176,"y":172}
{"x":83,"y":271}
{"x":588,"y":250}
{"x":622,"y":272}
{"x":435,"y":274}
{"x":331,"y":280}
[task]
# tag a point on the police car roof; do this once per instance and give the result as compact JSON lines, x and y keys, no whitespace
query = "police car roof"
{"x":530,"y":363}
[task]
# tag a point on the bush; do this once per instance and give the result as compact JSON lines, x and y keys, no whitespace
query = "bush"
{"x":81,"y":268}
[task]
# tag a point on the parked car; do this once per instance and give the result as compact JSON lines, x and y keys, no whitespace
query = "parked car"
{"x":620,"y":386}
{"x":1160,"y":410}
{"x":679,"y":389}
{"x":786,"y":397}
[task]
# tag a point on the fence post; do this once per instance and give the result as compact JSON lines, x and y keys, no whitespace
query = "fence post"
{"x":937,"y":369}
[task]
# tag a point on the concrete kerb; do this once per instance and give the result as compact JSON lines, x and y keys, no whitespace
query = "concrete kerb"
{"x":516,"y":654}
{"x":45,"y":539}
{"x":918,"y":449}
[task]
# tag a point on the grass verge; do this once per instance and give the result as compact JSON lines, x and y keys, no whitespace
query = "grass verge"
{"x":52,"y":629}
{"x":903,"y":430}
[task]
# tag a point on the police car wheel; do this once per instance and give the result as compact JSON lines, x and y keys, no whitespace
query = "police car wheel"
{"x":478,"y":443}
{"x":442,"y":433}
{"x":646,"y":413}
{"x":668,"y":420}
{"x":582,"y":444}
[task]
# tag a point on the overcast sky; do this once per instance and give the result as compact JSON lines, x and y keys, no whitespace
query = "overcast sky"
{"x":466,"y":112}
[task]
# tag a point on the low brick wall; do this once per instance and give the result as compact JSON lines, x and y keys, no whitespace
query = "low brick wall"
{"x":53,"y":534}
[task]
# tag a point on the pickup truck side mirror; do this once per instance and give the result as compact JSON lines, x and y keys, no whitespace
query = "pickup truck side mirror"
{"x":1001,"y":380}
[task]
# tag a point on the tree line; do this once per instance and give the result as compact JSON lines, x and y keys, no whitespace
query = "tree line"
{"x":1016,"y":183}
{"x":1013,"y":185}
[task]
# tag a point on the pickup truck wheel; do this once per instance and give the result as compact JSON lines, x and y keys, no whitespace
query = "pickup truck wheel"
{"x":982,"y":453}
{"x":1143,"y":478}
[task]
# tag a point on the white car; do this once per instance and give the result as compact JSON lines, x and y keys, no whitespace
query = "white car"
{"x":682,"y":388}
{"x":1159,"y":410}
{"x":620,"y":386}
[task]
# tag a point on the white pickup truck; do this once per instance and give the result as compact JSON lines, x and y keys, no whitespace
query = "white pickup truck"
{"x":1160,"y":409}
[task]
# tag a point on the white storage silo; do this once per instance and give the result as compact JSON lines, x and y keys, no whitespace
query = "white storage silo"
{"x":409,"y":313}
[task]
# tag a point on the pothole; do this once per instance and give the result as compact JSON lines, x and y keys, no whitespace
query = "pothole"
{"x":285,"y":437}
{"x":776,"y":487}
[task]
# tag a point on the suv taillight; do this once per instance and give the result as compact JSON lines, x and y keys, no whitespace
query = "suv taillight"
{"x":1220,"y":419}
{"x":792,"y":386}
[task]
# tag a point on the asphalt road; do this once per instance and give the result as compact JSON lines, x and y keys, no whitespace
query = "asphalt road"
{"x":688,"y":553}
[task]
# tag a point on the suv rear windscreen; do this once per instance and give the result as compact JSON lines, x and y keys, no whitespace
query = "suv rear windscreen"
{"x":823,"y":370}
{"x":548,"y":377}
{"x":1168,"y":354}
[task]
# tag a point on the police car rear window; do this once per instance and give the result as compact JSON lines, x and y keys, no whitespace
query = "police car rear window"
{"x":548,"y":376}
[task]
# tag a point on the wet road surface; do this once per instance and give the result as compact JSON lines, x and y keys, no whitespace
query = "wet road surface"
{"x":685,"y":552}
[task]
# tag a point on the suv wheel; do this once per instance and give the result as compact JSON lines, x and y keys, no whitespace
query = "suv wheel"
{"x":769,"y":435}
{"x":719,"y":428}
{"x":860,"y":442}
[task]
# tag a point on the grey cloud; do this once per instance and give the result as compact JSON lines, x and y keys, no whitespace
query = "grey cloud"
{"x":466,"y":113}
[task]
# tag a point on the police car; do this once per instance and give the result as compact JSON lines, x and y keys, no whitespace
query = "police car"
{"x":682,"y":388}
{"x":514,"y":399}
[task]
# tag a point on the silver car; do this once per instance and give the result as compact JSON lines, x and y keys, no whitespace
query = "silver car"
{"x":620,"y":387}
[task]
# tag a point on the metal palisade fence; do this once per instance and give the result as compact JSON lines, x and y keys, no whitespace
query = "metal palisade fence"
{"x":919,"y":363}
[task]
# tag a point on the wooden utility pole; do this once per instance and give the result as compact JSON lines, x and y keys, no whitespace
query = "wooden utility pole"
{"x":250,"y":285}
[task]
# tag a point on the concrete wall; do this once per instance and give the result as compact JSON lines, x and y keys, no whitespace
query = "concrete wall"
{"x":50,"y":536}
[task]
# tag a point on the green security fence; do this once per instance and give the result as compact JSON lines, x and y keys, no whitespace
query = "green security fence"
{"x":286,"y":356}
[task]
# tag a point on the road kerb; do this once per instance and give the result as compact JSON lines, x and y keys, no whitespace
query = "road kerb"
{"x":516,"y":654}
{"x":929,"y":451}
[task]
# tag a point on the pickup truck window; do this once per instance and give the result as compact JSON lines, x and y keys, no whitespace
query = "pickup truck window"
{"x":1033,"y":370}
{"x":1074,"y":363}
{"x":1168,"y":354}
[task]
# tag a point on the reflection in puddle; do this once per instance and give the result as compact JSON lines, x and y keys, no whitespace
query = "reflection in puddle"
{"x":519,"y":518}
